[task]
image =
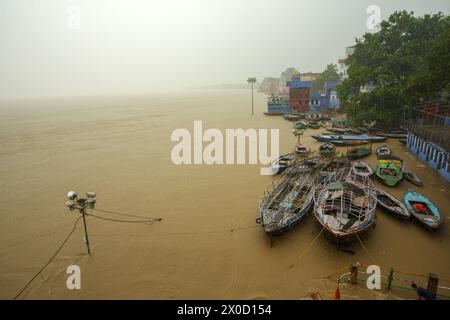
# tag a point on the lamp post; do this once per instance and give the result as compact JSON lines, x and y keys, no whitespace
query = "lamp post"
{"x":252,"y":81}
{"x":81,"y":204}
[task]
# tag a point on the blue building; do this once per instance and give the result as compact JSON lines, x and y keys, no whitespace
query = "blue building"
{"x":277,"y":105}
{"x":321,"y":102}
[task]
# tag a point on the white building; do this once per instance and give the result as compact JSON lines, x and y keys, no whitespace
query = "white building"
{"x":342,"y":62}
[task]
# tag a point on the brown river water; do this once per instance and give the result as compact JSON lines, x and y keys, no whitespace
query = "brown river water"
{"x":119,"y":147}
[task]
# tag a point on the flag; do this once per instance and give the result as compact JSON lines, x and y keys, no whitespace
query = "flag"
{"x":336,"y":295}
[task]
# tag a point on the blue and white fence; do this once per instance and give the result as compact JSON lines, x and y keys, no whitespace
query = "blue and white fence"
{"x":434,"y":155}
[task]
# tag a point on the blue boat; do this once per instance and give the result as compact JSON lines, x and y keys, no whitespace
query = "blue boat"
{"x":343,"y":137}
{"x":422,"y":209}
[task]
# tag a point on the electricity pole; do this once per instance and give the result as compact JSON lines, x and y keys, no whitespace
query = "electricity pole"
{"x":73,"y":203}
{"x":252,"y":81}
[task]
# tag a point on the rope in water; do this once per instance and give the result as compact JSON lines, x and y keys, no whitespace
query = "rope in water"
{"x":51,"y":259}
{"x":307,"y":248}
{"x":365,"y":249}
{"x":152,"y":220}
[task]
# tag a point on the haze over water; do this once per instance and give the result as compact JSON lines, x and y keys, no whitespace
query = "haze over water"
{"x":119,"y":147}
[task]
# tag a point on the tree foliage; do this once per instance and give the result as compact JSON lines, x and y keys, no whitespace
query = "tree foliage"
{"x":407,"y":60}
{"x":330,"y":73}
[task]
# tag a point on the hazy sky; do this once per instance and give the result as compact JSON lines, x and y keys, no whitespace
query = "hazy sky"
{"x":134,"y":46}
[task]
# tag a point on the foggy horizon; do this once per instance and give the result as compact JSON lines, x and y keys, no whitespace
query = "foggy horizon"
{"x":143,"y":47}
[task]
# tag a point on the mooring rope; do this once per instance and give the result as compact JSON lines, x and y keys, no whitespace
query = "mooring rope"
{"x":152,"y":220}
{"x":307,"y":248}
{"x":51,"y":259}
{"x":125,"y":214}
{"x":365,"y":250}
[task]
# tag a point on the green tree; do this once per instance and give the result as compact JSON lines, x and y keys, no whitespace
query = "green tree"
{"x":330,"y":73}
{"x":404,"y":60}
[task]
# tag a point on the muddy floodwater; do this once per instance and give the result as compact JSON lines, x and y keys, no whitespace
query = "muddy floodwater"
{"x":207,"y":245}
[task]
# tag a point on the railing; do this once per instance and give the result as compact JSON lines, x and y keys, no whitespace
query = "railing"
{"x":395,"y":279}
{"x":430,"y":121}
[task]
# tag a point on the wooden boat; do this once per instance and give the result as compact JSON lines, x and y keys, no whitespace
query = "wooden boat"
{"x":349,"y":143}
{"x":302,"y":149}
{"x":299,"y":125}
{"x":389,"y":173}
{"x":410,"y":176}
{"x":327,"y":150}
{"x":313,"y":125}
{"x":422,"y":209}
{"x":344,"y":204}
{"x":383,"y":151}
{"x":330,"y":138}
{"x":273,"y":113}
{"x":362,"y":169}
{"x":332,"y":166}
{"x":282,"y":163}
{"x":359,"y":152}
{"x":391,"y":135}
{"x":289,"y":200}
{"x":390,"y":204}
{"x":338,"y":130}
{"x":291,"y":116}
{"x":309,"y":163}
{"x":393,"y":159}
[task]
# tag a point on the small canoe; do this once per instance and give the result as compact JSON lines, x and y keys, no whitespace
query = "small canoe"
{"x":393,"y":159}
{"x":349,"y":143}
{"x":389,"y":173}
{"x":422,"y":209}
{"x":299,"y":125}
{"x":362,"y":169}
{"x":296,"y":132}
{"x":358,"y":153}
{"x":390,"y":204}
{"x":282,"y":163}
{"x":344,"y":137}
{"x":302,"y":149}
{"x":391,"y":135}
{"x":338,"y":130}
{"x":291,"y":116}
{"x":333,"y":165}
{"x":313,"y":125}
{"x":410,"y":176}
{"x":383,"y":151}
{"x":327,"y":150}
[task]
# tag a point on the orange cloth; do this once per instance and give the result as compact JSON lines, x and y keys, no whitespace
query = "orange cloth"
{"x":420,"y":207}
{"x":336,"y":295}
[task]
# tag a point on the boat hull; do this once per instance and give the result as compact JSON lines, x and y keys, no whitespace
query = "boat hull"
{"x":392,"y":179}
{"x":344,"y":204}
{"x":273,"y":113}
{"x":431,"y":221}
{"x":390,"y":204}
{"x":330,"y":138}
